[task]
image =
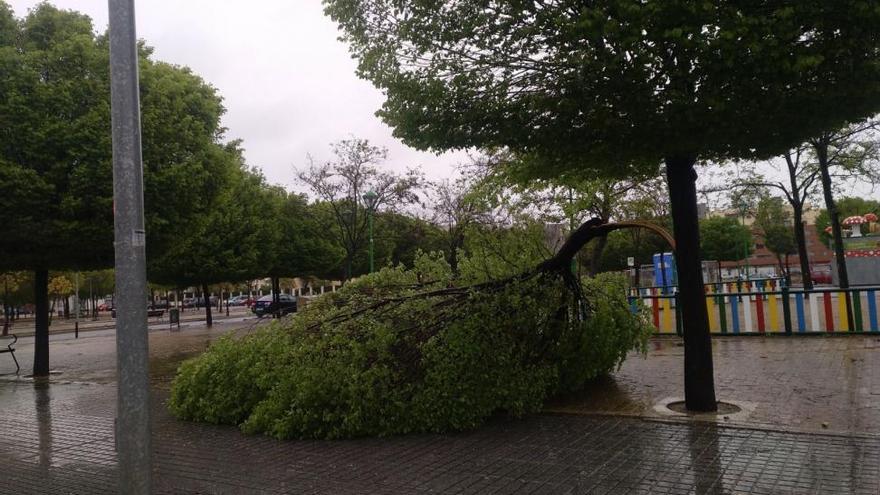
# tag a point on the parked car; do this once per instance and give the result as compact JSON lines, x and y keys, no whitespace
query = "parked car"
{"x":152,"y":311}
{"x":821,"y":275}
{"x":265,"y":305}
{"x":160,"y":304}
{"x":105,"y":307}
{"x":241,"y":300}
{"x":189,"y":302}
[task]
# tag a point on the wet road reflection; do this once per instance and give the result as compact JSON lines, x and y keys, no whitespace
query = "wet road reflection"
{"x":705,"y":458}
{"x":43,"y":405}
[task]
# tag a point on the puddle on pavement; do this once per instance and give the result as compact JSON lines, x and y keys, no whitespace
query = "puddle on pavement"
{"x":163,"y":368}
{"x":607,"y":393}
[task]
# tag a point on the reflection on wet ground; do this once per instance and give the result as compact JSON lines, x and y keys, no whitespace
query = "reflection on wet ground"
{"x":57,"y":436}
{"x":59,"y":452}
{"x":818,"y":384}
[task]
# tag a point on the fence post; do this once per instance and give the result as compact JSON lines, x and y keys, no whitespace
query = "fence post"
{"x":857,"y":312}
{"x":786,"y":309}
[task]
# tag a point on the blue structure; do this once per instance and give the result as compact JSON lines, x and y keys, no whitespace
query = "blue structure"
{"x":664,"y":271}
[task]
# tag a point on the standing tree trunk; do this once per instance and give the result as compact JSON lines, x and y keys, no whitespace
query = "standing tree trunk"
{"x":822,"y":155}
{"x":821,"y":147}
{"x":41,"y":324}
{"x":801,"y":238}
{"x":6,"y":308}
{"x":699,"y":381}
{"x":207,"y":295}
{"x":795,"y":199}
{"x":276,"y":297}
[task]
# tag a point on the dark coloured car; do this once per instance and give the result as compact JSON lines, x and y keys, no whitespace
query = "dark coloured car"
{"x":266,"y":306}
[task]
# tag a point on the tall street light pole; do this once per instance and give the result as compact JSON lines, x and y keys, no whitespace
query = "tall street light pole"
{"x":744,"y":209}
{"x":132,"y":352}
{"x":370,"y":198}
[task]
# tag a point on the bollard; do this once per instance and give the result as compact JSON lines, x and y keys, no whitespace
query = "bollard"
{"x":76,"y":330}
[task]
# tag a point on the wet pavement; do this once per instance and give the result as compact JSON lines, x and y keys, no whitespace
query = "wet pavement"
{"x":189,"y":318}
{"x":56,"y":436}
{"x":812,"y":384}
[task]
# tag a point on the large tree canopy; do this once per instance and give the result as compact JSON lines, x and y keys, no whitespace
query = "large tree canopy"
{"x":610,"y":86}
{"x":56,"y":183}
{"x":56,"y":174}
{"x":616,"y":81}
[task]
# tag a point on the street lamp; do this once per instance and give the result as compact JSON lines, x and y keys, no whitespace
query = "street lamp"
{"x":370,"y":198}
{"x":744,"y":210}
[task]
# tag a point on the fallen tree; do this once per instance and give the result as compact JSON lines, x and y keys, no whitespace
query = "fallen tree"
{"x":417,"y":350}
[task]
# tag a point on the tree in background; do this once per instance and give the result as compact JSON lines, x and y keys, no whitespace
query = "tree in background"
{"x":230,"y":241}
{"x":724,"y":239}
{"x":342,"y":183}
{"x":610,"y":87}
{"x":649,"y":203}
{"x":59,"y":288}
{"x":9,"y":282}
{"x":55,"y":154}
{"x":570,"y":199}
{"x":304,"y":246}
{"x":455,"y":212}
{"x":800,"y":185}
{"x":846,"y":207}
{"x":773,"y":222}
{"x":854,"y":150}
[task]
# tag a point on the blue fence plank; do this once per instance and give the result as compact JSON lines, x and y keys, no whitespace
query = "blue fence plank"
{"x":872,"y":310}
{"x":734,"y":313}
{"x":799,"y":303}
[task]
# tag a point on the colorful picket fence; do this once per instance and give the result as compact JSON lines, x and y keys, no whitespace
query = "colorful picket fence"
{"x":768,"y":309}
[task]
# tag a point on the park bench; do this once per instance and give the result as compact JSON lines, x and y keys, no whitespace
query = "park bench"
{"x":10,"y":348}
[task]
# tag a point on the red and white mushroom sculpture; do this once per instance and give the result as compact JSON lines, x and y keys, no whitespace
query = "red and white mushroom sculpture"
{"x":855,"y":222}
{"x":828,"y":229}
{"x":870,"y":217}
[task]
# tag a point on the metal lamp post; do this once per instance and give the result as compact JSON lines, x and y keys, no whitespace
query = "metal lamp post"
{"x":370,"y":198}
{"x":132,"y":349}
{"x":744,"y":208}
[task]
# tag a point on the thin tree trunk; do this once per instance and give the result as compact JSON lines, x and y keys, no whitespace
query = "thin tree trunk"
{"x":834,"y":216}
{"x":276,"y":297}
{"x":6,"y":308}
{"x":797,"y":205}
{"x":207,"y":297}
{"x":801,"y":238}
{"x":41,"y":324}
{"x":699,"y":382}
{"x":821,"y":148}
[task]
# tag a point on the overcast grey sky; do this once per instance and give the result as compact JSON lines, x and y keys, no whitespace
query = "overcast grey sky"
{"x":288,"y":84}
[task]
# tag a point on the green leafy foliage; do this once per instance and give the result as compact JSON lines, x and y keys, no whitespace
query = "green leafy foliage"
{"x":391,"y":354}
{"x":775,"y":225}
{"x":725,"y":239}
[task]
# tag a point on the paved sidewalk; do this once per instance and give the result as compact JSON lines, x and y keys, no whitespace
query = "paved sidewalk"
{"x":812,"y":384}
{"x":57,"y":437}
{"x":55,"y":448}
